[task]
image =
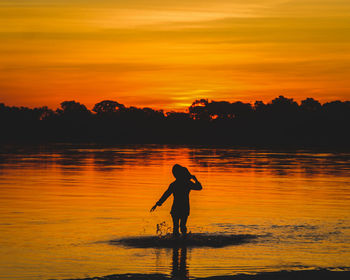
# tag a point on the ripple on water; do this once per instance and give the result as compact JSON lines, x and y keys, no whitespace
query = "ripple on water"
{"x":191,"y":240}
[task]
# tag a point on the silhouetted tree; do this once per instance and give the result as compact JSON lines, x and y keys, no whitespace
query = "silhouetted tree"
{"x":241,"y":110}
{"x":199,"y":110}
{"x":72,"y":107}
{"x":108,"y":106}
{"x":219,"y":110}
{"x":336,"y":109}
{"x":178,"y":116}
{"x":281,"y":122}
{"x":310,"y":105}
{"x":282,"y":105}
{"x":44,"y":113}
{"x":260,"y":107}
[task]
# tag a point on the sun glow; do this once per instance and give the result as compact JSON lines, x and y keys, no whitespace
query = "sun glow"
{"x":165,"y":54}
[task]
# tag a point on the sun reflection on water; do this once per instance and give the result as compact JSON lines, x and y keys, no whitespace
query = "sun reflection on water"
{"x":61,"y":205}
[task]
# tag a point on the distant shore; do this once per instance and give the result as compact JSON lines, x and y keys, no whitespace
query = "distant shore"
{"x":319,"y":274}
{"x":280,"y":123}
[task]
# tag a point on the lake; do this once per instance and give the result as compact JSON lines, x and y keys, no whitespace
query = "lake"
{"x":60,"y":205}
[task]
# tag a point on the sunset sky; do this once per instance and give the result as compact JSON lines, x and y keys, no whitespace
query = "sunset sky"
{"x":166,"y":53}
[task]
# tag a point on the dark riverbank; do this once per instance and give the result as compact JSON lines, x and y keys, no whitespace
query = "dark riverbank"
{"x":279,"y":123}
{"x":320,"y":274}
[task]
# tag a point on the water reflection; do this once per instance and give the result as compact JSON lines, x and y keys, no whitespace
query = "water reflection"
{"x":280,"y":163}
{"x":58,"y":201}
{"x":179,"y":269}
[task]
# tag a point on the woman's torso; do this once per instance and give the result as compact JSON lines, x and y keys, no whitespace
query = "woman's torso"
{"x":181,"y":203}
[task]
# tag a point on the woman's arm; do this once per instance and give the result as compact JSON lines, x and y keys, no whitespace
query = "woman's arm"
{"x":196,"y":185}
{"x":164,"y":197}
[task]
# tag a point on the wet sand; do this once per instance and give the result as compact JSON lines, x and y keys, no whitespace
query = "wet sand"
{"x":180,"y":272}
{"x":216,"y":241}
{"x":321,"y":274}
{"x":191,"y":240}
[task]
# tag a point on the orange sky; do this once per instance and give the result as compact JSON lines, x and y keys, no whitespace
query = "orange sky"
{"x":165,"y":54}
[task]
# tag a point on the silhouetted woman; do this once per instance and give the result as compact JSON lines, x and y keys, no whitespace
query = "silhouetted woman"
{"x":180,"y":189}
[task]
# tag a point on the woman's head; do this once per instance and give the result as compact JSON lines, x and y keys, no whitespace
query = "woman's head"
{"x":181,"y":173}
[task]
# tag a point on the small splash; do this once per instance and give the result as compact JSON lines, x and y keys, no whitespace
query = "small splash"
{"x":163,"y":229}
{"x":190,"y":240}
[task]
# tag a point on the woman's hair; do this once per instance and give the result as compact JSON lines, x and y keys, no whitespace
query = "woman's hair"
{"x":181,"y":172}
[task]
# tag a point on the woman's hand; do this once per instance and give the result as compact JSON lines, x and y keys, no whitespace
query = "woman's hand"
{"x":196,"y":185}
{"x":153,"y":208}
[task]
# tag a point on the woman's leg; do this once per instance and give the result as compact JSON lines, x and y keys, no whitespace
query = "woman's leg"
{"x":183,"y":222}
{"x":175,"y":224}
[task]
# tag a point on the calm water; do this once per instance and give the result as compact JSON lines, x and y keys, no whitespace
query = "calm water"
{"x":59,"y":207}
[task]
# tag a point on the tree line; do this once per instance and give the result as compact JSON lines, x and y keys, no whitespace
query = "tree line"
{"x":281,"y":122}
